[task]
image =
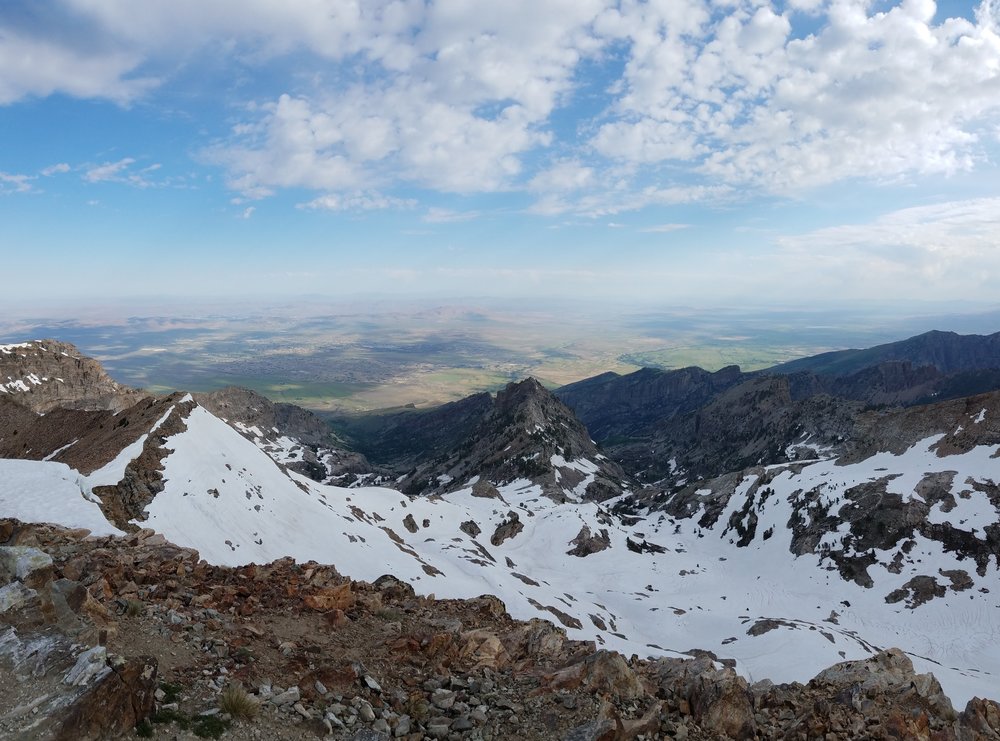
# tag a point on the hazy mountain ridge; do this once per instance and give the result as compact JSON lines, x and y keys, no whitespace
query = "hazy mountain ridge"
{"x":948,"y":352}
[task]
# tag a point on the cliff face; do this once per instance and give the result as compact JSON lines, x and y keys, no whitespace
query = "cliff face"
{"x":46,"y":374}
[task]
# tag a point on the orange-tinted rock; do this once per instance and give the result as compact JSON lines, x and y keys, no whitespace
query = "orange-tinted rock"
{"x":113,"y":706}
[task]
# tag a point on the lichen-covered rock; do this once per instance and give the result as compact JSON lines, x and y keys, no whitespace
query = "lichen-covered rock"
{"x":30,"y":566}
{"x":604,"y":672}
{"x":719,"y":699}
{"x":112,"y":706}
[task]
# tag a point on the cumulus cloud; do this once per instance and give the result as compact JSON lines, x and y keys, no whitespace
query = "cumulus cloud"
{"x":702,"y":100}
{"x":32,"y":65}
{"x":742,"y":100}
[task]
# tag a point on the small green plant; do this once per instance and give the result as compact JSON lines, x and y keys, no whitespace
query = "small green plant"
{"x":134,"y":608}
{"x":238,"y":703}
{"x":144,"y":729}
{"x":172,"y":692}
{"x":171,"y":716}
{"x":208,"y":726}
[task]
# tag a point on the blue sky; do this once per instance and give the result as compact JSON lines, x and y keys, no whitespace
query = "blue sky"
{"x":682,"y":150}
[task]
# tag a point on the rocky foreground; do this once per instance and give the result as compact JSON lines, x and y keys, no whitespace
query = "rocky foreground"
{"x":110,"y":637}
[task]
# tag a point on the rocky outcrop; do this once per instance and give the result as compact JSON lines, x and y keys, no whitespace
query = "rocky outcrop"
{"x":320,"y":654}
{"x":507,"y":529}
{"x":586,"y":543}
{"x":58,"y":681}
{"x":523,"y":432}
{"x":718,"y":700}
{"x":47,"y":374}
{"x":528,"y":434}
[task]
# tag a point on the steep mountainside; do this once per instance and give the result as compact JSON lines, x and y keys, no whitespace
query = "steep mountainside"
{"x":405,"y":436}
{"x":948,"y":352}
{"x":614,"y":406}
{"x":522,"y":433}
{"x":671,"y":427}
{"x":294,"y":436}
{"x":46,"y":374}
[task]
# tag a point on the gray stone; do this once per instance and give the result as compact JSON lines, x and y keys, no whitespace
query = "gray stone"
{"x":443,"y":699}
{"x":24,"y":564}
{"x":288,"y":697}
{"x":462,"y":723}
{"x":14,"y":596}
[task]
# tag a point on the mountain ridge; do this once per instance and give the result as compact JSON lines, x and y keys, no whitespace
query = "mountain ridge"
{"x":877,"y":527}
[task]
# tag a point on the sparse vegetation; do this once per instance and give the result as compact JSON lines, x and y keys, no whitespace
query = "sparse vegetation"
{"x":238,"y":703}
{"x":171,"y":692}
{"x":208,"y":726}
{"x":390,"y":615}
{"x":134,"y":608}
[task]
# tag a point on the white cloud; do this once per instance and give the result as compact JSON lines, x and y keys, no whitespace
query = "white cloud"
{"x":356,"y":201}
{"x":665,"y":228}
{"x":248,"y":212}
{"x":935,"y":251}
{"x":567,"y":175}
{"x":452,"y":106}
{"x":31,"y":66}
{"x":710,"y":99}
{"x":121,"y":172}
{"x":742,"y":101}
{"x":436,"y":215}
{"x":108,"y":171}
{"x":15,"y":183}
{"x":56,"y":169}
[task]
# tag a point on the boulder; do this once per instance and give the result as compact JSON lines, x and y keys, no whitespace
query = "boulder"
{"x":719,"y":699}
{"x":603,"y":672}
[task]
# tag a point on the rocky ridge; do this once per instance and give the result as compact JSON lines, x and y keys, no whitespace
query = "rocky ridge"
{"x":47,"y":374}
{"x":671,"y":427}
{"x":523,"y":432}
{"x":315,"y":654}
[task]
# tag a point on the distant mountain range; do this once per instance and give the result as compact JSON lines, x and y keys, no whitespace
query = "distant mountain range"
{"x":778,"y":521}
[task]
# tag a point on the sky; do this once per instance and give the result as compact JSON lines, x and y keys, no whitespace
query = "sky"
{"x":722,"y":151}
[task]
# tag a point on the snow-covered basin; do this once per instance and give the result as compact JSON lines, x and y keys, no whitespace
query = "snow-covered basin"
{"x":224,"y":497}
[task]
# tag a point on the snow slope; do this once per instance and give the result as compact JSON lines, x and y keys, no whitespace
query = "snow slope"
{"x":664,"y":586}
{"x":43,"y":491}
{"x":232,"y":503}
